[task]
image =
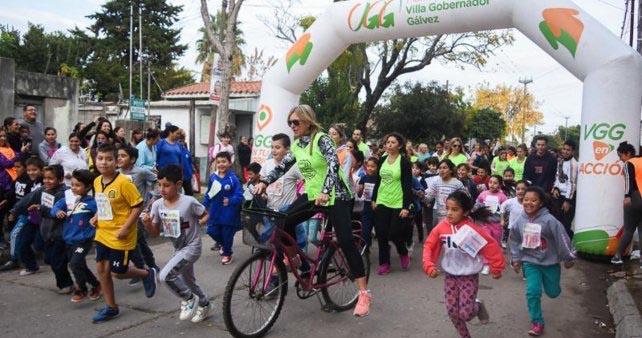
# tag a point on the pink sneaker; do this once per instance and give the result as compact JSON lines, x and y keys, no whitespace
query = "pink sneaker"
{"x":384,"y":269}
{"x":363,"y":304}
{"x":536,"y":330}
{"x":405,"y":262}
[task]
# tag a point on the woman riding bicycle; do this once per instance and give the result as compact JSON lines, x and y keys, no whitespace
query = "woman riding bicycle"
{"x":315,"y":153}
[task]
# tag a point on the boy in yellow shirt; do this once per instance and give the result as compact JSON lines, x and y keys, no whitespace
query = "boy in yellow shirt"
{"x":119,"y":205}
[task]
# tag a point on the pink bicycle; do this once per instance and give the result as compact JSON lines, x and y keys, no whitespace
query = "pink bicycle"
{"x":256,"y":291}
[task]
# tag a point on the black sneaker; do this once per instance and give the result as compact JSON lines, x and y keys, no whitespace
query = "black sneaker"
{"x":482,"y":313}
{"x":9,"y":265}
{"x":617,"y":260}
{"x":134,"y":281}
{"x":149,"y":283}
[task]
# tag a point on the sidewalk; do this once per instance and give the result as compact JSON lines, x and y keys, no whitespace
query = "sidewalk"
{"x":625,"y":300}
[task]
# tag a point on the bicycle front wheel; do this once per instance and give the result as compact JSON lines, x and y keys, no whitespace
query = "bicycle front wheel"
{"x":254,"y":296}
{"x":342,"y":295}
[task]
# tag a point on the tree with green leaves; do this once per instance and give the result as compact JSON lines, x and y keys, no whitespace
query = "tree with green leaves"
{"x":35,"y":50}
{"x":206,"y":50}
{"x":108,"y":63}
{"x":422,"y":112}
{"x":384,"y":62}
{"x":486,"y":124}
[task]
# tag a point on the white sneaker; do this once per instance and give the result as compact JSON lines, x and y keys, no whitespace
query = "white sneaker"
{"x":485,"y":270}
{"x":27,"y":272}
{"x":202,"y":313}
{"x":188,"y":308}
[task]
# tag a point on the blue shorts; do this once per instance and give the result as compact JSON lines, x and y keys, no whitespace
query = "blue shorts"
{"x":118,"y":259}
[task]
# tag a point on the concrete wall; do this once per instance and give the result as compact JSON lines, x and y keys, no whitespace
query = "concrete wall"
{"x":43,"y":85}
{"x":7,"y":85}
{"x":56,"y":98}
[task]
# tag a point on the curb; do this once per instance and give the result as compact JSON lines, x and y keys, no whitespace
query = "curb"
{"x":627,"y":319}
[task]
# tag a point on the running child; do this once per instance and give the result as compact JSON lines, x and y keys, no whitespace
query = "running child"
{"x":538,"y":243}
{"x":509,"y":182}
{"x":15,"y":193}
{"x":223,"y":200}
{"x":440,"y":189}
{"x":78,"y":234}
{"x":178,"y":217}
{"x":42,"y":201}
{"x":462,"y":267}
{"x":482,"y":178}
{"x":29,"y":233}
{"x":143,"y":179}
{"x":366,"y":187}
{"x":419,"y":191}
{"x":512,"y":209}
{"x":492,"y":200}
{"x":118,"y":206}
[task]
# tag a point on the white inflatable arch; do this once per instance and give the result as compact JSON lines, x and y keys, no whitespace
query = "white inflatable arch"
{"x":610,"y":69}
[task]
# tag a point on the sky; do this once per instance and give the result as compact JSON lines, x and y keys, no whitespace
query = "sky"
{"x":558,"y":92}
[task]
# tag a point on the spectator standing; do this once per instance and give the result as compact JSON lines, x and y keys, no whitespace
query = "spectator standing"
{"x":36,"y":128}
{"x":245,"y":154}
{"x":187,"y":164}
{"x":540,"y":168}
{"x":49,"y":145}
{"x":168,"y":150}
{"x":147,"y":150}
{"x":12,"y":126}
{"x":565,"y":186}
{"x":71,"y":157}
{"x":357,"y":135}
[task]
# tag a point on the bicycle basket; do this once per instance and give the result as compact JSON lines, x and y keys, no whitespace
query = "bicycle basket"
{"x":258,"y":225}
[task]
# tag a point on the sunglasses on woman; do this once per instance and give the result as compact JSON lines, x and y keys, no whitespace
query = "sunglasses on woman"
{"x":294,"y":123}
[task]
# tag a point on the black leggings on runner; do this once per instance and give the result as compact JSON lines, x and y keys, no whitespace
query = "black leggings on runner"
{"x":632,"y":221}
{"x":302,"y":209}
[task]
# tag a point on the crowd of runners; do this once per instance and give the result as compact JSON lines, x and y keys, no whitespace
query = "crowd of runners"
{"x":471,"y":204}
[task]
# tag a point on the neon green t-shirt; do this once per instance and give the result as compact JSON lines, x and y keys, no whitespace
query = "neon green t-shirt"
{"x":390,"y":193}
{"x":518,"y":167}
{"x":457,"y":160}
{"x":500,"y":166}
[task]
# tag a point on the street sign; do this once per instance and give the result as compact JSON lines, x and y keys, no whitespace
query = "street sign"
{"x":137,"y":109}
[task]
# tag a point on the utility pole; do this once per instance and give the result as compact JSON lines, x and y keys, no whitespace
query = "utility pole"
{"x":140,"y":46}
{"x":639,"y":27}
{"x":632,"y":28}
{"x":525,"y":81}
{"x":149,"y":88}
{"x":131,"y":53}
{"x":566,"y":127}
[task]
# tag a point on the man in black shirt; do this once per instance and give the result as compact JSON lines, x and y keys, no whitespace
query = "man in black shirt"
{"x":540,"y":167}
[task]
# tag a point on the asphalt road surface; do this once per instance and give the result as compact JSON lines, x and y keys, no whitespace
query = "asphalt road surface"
{"x":405,"y":304}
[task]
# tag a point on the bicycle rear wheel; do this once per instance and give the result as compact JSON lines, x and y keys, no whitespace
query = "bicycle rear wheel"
{"x":249,"y":308}
{"x":342,"y":295}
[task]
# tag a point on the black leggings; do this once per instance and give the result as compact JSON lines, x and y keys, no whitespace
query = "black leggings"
{"x":302,"y":209}
{"x":632,"y":221}
{"x":390,"y":227}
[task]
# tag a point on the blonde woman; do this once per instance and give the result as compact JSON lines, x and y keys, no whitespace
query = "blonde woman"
{"x":456,"y":152}
{"x":316,"y":155}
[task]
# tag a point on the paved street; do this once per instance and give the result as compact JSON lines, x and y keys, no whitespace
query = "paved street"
{"x":405,"y":304}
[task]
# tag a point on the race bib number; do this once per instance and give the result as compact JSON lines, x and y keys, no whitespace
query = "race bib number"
{"x":492,"y":203}
{"x":70,"y":200}
{"x":368,"y":188}
{"x":276,"y":188}
{"x":171,"y":222}
{"x":532,"y":236}
{"x":215,"y":189}
{"x":104,"y":207}
{"x":47,"y":200}
{"x":469,"y":240}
